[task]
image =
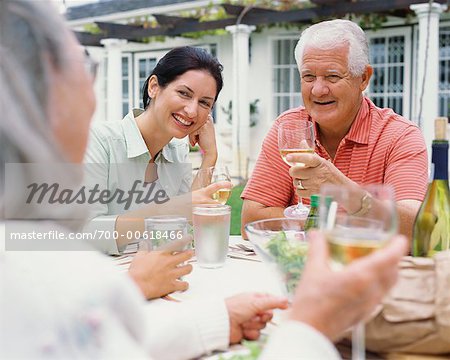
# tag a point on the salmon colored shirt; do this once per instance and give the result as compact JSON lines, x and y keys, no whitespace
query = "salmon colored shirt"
{"x":381,"y":147}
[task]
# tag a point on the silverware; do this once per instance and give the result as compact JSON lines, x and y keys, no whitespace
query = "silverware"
{"x":242,"y":257}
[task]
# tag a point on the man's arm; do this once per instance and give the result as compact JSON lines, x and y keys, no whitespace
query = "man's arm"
{"x":407,"y":212}
{"x":252,"y":211}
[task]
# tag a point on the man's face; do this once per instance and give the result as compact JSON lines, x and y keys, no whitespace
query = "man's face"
{"x":331,"y":95}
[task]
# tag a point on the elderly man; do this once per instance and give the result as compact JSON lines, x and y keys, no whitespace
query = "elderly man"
{"x":356,"y":142}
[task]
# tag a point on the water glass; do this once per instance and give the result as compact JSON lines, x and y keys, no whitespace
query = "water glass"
{"x":211,"y":234}
{"x":164,"y":229}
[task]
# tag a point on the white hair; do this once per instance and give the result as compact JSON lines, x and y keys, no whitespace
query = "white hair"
{"x":328,"y":35}
{"x":33,"y":40}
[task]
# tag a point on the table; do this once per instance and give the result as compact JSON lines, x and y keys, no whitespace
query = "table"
{"x":245,"y":274}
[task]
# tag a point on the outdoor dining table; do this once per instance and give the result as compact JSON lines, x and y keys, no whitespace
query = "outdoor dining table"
{"x":243,"y":272}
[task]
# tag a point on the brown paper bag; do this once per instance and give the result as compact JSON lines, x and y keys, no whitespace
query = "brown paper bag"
{"x":415,"y":316}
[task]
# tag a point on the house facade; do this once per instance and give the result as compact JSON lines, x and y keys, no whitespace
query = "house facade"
{"x":410,"y":56}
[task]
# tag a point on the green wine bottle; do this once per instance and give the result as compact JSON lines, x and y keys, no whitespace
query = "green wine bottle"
{"x":432,"y":226}
{"x":312,"y":221}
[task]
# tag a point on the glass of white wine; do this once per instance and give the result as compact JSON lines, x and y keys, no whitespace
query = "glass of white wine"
{"x":296,"y":137}
{"x":358,"y":221}
{"x":211,"y":175}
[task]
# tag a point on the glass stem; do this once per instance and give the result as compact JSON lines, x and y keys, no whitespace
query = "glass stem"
{"x":358,"y":342}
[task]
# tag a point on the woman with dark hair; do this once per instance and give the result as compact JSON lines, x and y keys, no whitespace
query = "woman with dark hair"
{"x":151,"y":146}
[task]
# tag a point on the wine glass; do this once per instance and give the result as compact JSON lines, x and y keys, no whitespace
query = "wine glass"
{"x":357,"y":221}
{"x":211,"y":175}
{"x":296,"y":137}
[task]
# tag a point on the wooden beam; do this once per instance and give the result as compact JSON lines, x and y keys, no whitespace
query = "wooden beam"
{"x":88,"y":39}
{"x":236,"y":10}
{"x":128,"y":32}
{"x":171,"y":21}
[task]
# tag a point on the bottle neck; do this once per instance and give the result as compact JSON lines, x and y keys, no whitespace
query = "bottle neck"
{"x":439,"y":158}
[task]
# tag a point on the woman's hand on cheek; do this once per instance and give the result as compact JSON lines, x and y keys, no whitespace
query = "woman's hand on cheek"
{"x":205,"y":137}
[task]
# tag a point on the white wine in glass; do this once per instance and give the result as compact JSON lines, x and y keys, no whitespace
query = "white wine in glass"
{"x":358,"y":221}
{"x":296,"y":137}
{"x":285,"y":152}
{"x":213,"y":174}
{"x":222,"y":195}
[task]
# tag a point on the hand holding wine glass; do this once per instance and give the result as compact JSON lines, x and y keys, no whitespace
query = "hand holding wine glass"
{"x":296,"y":137}
{"x":215,"y":174}
{"x":358,"y":221}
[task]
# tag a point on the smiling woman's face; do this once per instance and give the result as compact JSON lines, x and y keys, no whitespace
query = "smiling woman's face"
{"x":182,"y":107}
{"x":331,"y":95}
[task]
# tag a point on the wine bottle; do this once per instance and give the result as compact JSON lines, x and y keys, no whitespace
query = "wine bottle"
{"x":432,"y":226}
{"x":312,"y":221}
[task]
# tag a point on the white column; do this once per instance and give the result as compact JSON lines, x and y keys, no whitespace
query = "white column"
{"x":241,"y":112}
{"x":113,"y":49}
{"x":428,"y":21}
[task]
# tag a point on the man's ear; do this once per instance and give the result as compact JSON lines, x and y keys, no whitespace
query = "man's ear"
{"x":153,"y":86}
{"x":367,"y":74}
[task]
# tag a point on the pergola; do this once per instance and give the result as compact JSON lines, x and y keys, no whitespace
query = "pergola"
{"x":250,"y":15}
{"x":241,"y":21}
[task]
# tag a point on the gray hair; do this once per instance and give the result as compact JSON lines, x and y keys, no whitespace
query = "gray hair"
{"x":336,"y":33}
{"x":32,"y":41}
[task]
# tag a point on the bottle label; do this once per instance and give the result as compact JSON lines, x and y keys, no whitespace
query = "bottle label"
{"x":440,"y":160}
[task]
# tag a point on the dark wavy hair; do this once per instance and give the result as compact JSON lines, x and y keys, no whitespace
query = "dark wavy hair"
{"x":180,"y":60}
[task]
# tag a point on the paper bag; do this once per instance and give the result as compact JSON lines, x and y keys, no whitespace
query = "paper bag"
{"x":415,"y":316}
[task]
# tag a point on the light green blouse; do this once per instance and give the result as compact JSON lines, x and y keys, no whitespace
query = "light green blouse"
{"x":117,"y":158}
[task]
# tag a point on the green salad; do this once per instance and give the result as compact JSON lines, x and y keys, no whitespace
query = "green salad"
{"x":290,"y":257}
{"x":253,"y":348}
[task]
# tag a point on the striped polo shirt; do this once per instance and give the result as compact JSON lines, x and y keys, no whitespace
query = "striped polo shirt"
{"x":381,"y":147}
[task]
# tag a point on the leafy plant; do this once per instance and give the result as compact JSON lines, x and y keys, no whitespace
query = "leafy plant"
{"x":253,"y":109}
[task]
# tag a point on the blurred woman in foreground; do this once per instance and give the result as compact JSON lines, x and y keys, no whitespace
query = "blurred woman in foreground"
{"x":63,"y":304}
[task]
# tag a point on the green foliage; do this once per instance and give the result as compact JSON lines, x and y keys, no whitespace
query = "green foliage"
{"x":254,"y":350}
{"x":195,"y":148}
{"x":92,"y":29}
{"x":253,"y":108}
{"x":235,"y":202}
{"x":373,"y":21}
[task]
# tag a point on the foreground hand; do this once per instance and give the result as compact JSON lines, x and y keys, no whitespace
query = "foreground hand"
{"x":204,"y":195}
{"x":249,"y":313}
{"x":331,"y":301}
{"x":157,"y":273}
{"x":205,"y":137}
{"x":314,"y":174}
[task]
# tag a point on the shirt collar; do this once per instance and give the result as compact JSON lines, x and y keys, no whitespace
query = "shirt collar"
{"x":360,"y":129}
{"x":136,"y":145}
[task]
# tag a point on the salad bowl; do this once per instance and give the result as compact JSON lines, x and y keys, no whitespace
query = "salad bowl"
{"x":282,"y":245}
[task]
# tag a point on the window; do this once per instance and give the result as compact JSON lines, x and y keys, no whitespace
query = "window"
{"x":389,"y":86}
{"x":285,"y":76}
{"x":444,"y":71}
{"x":126,"y":84}
{"x":144,"y":65}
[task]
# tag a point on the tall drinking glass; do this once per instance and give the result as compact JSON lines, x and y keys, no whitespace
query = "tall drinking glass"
{"x":357,"y":222}
{"x":296,"y":137}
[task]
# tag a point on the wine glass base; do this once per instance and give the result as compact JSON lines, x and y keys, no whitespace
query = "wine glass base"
{"x":297,"y":211}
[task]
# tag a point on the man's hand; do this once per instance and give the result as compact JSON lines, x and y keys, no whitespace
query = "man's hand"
{"x":249,"y":313}
{"x":157,"y":273}
{"x":316,"y":172}
{"x":331,"y":301}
